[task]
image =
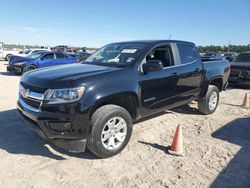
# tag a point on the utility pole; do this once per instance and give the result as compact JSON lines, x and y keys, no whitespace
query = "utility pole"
{"x":228,"y":45}
{"x":170,"y":36}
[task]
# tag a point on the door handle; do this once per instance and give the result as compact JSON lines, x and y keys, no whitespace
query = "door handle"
{"x":175,"y":74}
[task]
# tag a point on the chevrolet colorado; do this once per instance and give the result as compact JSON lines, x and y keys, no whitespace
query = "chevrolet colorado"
{"x":95,"y":103}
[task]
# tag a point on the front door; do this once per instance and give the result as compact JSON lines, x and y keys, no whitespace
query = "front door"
{"x":160,"y":89}
{"x":47,"y":60}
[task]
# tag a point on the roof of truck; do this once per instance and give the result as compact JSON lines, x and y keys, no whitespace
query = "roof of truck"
{"x":156,"y":41}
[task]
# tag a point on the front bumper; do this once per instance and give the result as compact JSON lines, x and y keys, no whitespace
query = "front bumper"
{"x":63,"y":130}
{"x":240,"y":77}
{"x":14,"y":69}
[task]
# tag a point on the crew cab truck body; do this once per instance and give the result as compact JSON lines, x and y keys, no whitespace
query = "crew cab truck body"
{"x":95,"y":103}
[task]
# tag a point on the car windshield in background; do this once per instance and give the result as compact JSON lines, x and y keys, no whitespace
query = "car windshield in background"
{"x":118,"y":54}
{"x":210,"y":54}
{"x":27,"y":51}
{"x":243,"y":58}
{"x":35,"y":55}
{"x":228,"y":55}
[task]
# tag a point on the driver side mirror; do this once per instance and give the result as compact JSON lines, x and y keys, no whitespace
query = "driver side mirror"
{"x":152,"y":66}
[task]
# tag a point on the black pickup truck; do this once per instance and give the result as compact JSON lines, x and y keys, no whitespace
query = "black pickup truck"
{"x":95,"y":103}
{"x":240,"y":70}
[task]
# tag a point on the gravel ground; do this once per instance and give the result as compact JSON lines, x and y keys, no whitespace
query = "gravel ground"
{"x":217,"y":150}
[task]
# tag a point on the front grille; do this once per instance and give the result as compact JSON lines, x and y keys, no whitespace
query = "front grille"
{"x":33,"y":88}
{"x":235,"y":72}
{"x":32,"y":102}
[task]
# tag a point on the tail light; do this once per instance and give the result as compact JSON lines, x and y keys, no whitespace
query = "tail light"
{"x":78,"y":60}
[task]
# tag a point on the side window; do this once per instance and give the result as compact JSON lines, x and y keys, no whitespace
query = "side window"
{"x":60,"y":55}
{"x":67,"y":56}
{"x":48,"y":56}
{"x":162,"y":53}
{"x":187,"y":53}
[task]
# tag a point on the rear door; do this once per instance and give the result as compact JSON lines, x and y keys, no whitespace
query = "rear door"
{"x":62,"y":59}
{"x":47,"y":60}
{"x":191,"y":70}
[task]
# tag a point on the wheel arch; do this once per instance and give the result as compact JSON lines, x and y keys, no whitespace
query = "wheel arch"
{"x":126,"y":100}
{"x":216,"y":81}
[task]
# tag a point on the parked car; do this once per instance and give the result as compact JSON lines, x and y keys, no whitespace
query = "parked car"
{"x":82,"y":56}
{"x":230,"y":56}
{"x":212,"y":56}
{"x":61,"y":48}
{"x":240,"y":70}
{"x":70,"y":52}
{"x":39,"y":60}
{"x":6,"y":53}
{"x":95,"y":103}
{"x":26,"y":54}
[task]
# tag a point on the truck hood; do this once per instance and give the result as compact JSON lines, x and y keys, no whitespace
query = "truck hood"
{"x":64,"y":75}
{"x":240,"y":65}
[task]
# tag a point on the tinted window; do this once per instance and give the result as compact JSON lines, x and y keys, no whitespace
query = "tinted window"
{"x":48,"y":56}
{"x":161,"y":53}
{"x":60,"y":55}
{"x":187,"y":53}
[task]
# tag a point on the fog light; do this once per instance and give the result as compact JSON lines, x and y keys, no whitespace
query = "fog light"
{"x":60,"y":126}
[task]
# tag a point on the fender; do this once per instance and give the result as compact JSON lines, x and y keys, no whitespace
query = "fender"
{"x":126,"y":99}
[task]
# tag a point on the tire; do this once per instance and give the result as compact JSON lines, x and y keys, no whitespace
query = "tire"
{"x":101,"y":122}
{"x":30,"y":68}
{"x":208,"y":104}
{"x":7,"y":57}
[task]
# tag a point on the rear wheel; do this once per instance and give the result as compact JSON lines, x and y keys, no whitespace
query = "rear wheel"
{"x":7,"y":57}
{"x":208,"y":104}
{"x":111,"y":129}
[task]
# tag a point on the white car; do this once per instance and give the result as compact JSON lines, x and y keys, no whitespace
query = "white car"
{"x":5,"y":53}
{"x":31,"y":51}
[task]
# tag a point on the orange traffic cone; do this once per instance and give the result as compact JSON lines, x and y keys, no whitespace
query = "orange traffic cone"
{"x":245,"y":101}
{"x":177,"y":144}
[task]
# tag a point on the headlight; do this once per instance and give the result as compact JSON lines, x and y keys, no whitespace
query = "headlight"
{"x":18,"y":64}
{"x":56,"y":96}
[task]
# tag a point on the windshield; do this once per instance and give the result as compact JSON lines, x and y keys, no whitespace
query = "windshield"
{"x":118,"y":54}
{"x":35,"y":54}
{"x":210,"y":54}
{"x":228,"y":55}
{"x":27,"y":51}
{"x":243,"y":58}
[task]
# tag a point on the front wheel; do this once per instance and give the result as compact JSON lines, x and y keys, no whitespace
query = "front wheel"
{"x":208,"y":104}
{"x":111,"y":129}
{"x":30,"y":68}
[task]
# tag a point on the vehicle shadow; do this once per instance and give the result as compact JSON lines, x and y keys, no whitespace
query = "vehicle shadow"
{"x":8,"y":74}
{"x":237,"y":173}
{"x":17,"y":138}
{"x":236,"y":105}
{"x":156,"y":146}
{"x":186,"y":109}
